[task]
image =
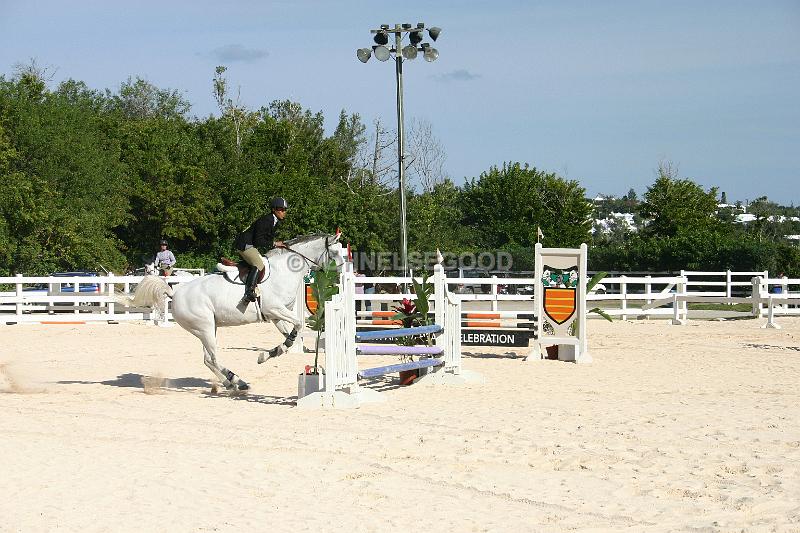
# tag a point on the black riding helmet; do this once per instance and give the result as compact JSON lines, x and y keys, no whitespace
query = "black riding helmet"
{"x":163,"y":242}
{"x":279,"y":203}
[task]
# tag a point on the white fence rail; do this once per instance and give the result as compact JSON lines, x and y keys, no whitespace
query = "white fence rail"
{"x":719,"y":283}
{"x":633,"y":293}
{"x":57,"y":299}
{"x":32,"y":299}
{"x":776,"y":297}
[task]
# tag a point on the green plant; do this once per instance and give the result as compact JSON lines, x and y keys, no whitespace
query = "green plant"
{"x":323,"y":286}
{"x":589,"y":286}
{"x":416,"y":312}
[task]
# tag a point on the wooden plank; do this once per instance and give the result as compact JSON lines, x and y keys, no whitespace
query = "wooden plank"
{"x":389,"y":349}
{"x":481,"y":324}
{"x":411,"y":365}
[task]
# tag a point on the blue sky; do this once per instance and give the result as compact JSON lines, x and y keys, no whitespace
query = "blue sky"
{"x":595,"y":91}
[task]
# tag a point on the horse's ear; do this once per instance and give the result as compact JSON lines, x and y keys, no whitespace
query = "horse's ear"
{"x":338,"y":235}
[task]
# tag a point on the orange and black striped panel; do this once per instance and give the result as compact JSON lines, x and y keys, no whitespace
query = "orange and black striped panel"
{"x":311,"y":302}
{"x":559,"y":304}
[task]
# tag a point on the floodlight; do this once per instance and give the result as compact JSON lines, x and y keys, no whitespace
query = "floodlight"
{"x":429,"y":53}
{"x":363,"y":54}
{"x":410,"y":51}
{"x":382,"y":53}
{"x":434,"y":32}
{"x":381,"y":38}
{"x":415,"y":37}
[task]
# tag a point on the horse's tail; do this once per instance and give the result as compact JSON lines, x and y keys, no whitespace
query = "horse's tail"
{"x":151,"y":292}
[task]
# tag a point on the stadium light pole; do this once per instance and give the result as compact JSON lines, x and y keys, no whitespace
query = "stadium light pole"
{"x":382,"y":52}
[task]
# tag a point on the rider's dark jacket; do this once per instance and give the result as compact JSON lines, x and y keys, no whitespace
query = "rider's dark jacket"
{"x":260,"y":234}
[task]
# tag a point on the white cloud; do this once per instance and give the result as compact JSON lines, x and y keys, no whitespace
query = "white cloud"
{"x":458,"y":75}
{"x":231,"y":53}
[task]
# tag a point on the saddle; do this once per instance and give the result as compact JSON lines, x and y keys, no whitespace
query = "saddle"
{"x":242,"y":266}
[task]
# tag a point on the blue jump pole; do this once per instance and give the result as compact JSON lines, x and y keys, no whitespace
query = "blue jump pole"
{"x":381,"y":370}
{"x":400,"y":332}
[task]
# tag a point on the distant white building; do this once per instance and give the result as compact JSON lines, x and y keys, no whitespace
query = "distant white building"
{"x":744,"y":218}
{"x":604,"y":225}
{"x":731,"y":208}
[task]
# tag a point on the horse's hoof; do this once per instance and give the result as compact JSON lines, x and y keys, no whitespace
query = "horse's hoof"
{"x":263,"y":356}
{"x":240,"y":388}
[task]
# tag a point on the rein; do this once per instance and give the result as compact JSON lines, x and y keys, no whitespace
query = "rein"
{"x":327,"y":252}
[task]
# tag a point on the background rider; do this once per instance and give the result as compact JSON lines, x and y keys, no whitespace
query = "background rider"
{"x":165,"y":259}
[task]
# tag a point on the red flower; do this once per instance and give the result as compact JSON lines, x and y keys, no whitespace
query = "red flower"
{"x":406,"y":307}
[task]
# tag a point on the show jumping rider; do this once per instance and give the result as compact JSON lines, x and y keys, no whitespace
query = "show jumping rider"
{"x":260,"y":236}
{"x":165,"y":259}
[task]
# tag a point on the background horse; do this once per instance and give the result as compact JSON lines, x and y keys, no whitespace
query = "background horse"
{"x":215,"y":300}
{"x":152,"y":270}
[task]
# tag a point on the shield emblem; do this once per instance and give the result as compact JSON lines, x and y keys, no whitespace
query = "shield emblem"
{"x":559,"y":304}
{"x":311,"y":302}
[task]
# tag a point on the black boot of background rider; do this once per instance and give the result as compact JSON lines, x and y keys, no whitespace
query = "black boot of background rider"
{"x":250,"y":285}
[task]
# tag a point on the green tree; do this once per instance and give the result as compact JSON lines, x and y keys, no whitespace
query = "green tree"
{"x":504,"y":206}
{"x":172,"y":195}
{"x":434,"y":220}
{"x":673,"y":206}
{"x":64,"y":187}
{"x":139,"y":99}
{"x":234,"y":113}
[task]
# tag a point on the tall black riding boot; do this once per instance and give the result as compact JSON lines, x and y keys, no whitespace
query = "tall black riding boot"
{"x":250,"y":284}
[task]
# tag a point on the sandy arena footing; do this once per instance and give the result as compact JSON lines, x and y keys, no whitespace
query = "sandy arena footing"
{"x":115,"y":428}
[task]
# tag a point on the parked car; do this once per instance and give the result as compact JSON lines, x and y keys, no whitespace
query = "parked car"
{"x":70,"y":287}
{"x":598,"y":289}
{"x":60,"y":288}
{"x":36,"y":287}
{"x":505,"y":288}
{"x":469,"y":287}
{"x":525,"y":289}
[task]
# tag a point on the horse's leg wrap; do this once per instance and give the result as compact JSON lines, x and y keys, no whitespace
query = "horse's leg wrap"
{"x":235,"y":382}
{"x":290,"y":338}
{"x":281,"y":348}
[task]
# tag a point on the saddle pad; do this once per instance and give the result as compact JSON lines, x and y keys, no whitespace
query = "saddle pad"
{"x":231,"y":272}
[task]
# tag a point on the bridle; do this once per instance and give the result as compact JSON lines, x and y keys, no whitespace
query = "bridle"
{"x":326,"y":255}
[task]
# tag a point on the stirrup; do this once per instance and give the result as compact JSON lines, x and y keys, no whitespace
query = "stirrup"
{"x":249,"y":296}
{"x":251,"y":284}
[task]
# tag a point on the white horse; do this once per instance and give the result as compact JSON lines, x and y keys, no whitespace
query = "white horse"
{"x":215,"y":300}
